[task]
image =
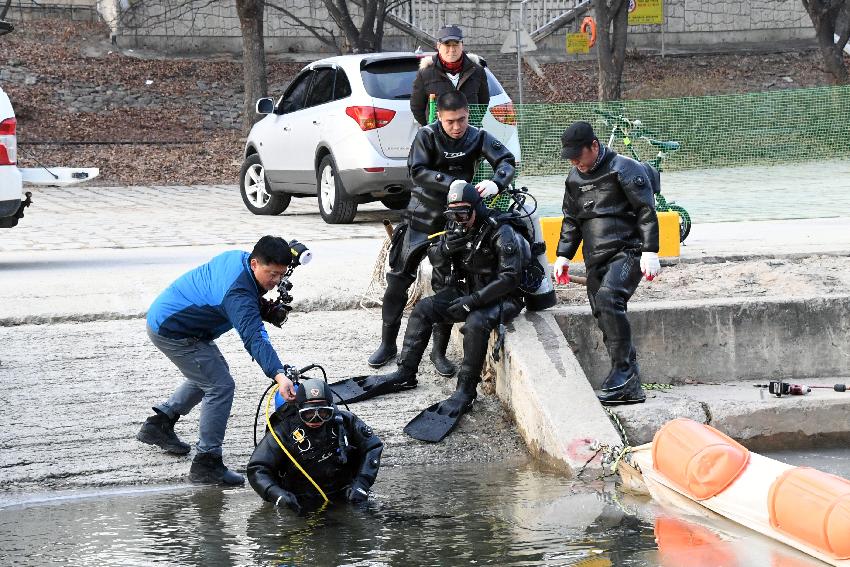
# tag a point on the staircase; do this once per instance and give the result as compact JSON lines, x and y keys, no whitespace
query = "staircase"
{"x":422,"y":18}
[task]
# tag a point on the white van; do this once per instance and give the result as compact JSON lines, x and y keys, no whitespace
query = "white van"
{"x":13,"y":200}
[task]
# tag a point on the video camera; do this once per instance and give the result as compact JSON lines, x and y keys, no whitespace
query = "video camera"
{"x":276,"y":311}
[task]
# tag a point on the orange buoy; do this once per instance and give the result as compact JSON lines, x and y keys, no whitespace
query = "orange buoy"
{"x":813,"y":507}
{"x":698,"y":459}
{"x":588,"y":23}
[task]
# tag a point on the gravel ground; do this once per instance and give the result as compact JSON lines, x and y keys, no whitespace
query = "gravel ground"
{"x":74,"y":404}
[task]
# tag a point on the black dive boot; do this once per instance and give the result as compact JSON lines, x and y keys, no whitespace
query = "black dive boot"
{"x":622,"y":386}
{"x":158,"y":430}
{"x":388,"y":348}
{"x":208,"y":468}
{"x":439,"y":344}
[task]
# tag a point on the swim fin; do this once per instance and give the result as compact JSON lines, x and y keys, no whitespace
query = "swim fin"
{"x":362,"y":388}
{"x":440,"y":419}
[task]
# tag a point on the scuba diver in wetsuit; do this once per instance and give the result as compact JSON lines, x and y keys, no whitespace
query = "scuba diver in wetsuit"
{"x":478,"y":266}
{"x":609,"y":204}
{"x":443,"y":156}
{"x":335,"y":448}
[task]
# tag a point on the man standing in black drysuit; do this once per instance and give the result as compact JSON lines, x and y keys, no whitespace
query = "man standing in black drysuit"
{"x":609,"y":204}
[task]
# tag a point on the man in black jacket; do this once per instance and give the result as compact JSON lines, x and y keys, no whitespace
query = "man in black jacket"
{"x":450,"y":69}
{"x":443,"y":156}
{"x":609,"y":204}
{"x":335,"y":448}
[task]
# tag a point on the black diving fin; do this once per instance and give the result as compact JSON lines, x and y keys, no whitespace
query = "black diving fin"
{"x":362,"y":388}
{"x":440,"y":419}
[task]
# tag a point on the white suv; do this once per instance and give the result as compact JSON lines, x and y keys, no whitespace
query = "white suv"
{"x":342,"y":131}
{"x":13,"y":200}
{"x":11,"y":184}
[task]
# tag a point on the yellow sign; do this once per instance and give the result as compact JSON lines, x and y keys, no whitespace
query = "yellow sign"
{"x":645,"y":12}
{"x":577,"y":43}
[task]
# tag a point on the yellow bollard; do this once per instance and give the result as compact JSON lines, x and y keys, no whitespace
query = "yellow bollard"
{"x":668,"y":236}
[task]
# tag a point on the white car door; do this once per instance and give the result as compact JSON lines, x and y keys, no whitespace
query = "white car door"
{"x":285,"y":150}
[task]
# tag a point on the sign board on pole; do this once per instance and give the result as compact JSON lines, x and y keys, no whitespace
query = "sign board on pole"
{"x":645,"y":12}
{"x":577,"y":43}
{"x":526,"y":43}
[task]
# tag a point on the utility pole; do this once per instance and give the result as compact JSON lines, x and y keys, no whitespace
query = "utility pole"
{"x":520,"y":25}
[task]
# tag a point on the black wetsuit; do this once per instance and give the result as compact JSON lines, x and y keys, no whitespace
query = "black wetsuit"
{"x":318,"y":451}
{"x":612,"y":209}
{"x":489,"y":268}
{"x":435,"y":161}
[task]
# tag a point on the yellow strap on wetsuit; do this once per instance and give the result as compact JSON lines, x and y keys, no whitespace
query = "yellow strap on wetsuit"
{"x":288,"y":454}
{"x":436,"y":234}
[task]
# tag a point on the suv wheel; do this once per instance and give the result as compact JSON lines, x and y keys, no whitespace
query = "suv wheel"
{"x":396,"y":202}
{"x":335,"y":205}
{"x":255,"y":190}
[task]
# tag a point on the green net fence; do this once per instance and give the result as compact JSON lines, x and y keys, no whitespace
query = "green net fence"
{"x":716,"y":131}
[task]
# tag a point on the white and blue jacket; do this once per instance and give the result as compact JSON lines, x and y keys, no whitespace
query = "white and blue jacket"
{"x":208,"y":301}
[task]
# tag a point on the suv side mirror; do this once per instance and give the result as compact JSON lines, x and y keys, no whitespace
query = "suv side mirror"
{"x":265,"y":106}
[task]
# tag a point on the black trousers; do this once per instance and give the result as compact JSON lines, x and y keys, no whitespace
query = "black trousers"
{"x":478,"y":325}
{"x":407,"y":250}
{"x":610,"y":285}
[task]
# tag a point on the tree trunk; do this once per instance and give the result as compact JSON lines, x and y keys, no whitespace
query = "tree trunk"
{"x":253,"y":58}
{"x":824,"y":15}
{"x":612,"y":20}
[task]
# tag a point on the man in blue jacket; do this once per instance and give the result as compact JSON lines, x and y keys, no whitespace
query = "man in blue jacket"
{"x":183,"y":322}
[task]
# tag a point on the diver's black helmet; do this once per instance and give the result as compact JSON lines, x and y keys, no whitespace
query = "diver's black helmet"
{"x":469,"y":194}
{"x":313,"y":390}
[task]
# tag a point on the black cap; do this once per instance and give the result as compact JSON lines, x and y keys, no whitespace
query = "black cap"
{"x":576,"y":137}
{"x":313,"y":389}
{"x":449,"y":33}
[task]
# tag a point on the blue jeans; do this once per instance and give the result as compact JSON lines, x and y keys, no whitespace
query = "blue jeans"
{"x":208,"y":379}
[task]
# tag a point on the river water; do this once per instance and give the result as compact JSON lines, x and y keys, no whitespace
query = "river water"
{"x":507,"y":514}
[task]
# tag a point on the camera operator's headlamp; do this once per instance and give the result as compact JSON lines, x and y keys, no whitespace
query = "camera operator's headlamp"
{"x":301,"y":255}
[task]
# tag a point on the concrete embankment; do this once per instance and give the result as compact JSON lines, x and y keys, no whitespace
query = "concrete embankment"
{"x":714,"y":352}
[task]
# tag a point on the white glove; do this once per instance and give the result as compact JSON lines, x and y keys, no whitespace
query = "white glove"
{"x":561,"y":269}
{"x":458,"y":185}
{"x":649,"y":265}
{"x":487,"y":188}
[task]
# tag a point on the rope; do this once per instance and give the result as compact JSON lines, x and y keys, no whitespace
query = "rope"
{"x":374,"y":294}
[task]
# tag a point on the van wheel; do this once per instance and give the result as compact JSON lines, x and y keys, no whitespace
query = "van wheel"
{"x":335,"y":205}
{"x":255,"y":189}
{"x":396,"y":202}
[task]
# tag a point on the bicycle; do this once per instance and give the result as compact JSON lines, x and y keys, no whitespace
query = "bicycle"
{"x":627,"y":130}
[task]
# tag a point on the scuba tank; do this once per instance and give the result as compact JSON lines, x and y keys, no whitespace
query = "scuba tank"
{"x":536,"y":286}
{"x":537,"y":278}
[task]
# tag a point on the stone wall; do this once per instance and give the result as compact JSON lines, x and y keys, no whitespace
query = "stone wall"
{"x":202,"y":25}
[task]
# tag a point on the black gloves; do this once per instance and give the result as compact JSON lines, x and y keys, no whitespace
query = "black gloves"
{"x":462,"y":306}
{"x":358,"y":492}
{"x":289,"y":500}
{"x":274,"y":312}
{"x":457,"y":241}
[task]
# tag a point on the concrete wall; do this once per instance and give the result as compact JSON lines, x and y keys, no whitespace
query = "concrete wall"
{"x":205,"y":26}
{"x":723,"y":340}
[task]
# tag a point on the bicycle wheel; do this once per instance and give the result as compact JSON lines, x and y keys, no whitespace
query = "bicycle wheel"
{"x":684,"y":221}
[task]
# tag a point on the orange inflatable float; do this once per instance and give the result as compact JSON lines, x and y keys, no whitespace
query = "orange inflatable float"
{"x":693,"y":465}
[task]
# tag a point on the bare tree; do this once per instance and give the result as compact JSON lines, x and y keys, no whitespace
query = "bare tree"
{"x":253,"y":58}
{"x":369,"y":36}
{"x":612,"y":21}
{"x":831,"y":18}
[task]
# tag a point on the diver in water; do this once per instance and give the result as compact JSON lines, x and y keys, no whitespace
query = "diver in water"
{"x":334,"y":449}
{"x":444,"y":155}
